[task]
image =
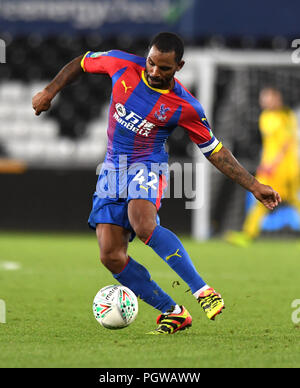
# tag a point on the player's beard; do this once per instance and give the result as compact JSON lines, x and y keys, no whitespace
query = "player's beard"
{"x":159,"y":83}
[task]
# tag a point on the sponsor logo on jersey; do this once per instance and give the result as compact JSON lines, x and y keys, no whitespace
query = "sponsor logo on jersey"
{"x":132,"y":121}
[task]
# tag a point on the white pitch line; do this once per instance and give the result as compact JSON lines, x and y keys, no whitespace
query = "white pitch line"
{"x":9,"y":265}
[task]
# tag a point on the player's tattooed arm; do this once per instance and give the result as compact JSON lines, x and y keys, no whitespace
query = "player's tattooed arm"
{"x":228,"y":165}
{"x":224,"y":161}
{"x":70,"y":72}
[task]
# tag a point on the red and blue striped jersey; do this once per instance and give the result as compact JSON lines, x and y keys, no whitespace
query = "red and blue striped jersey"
{"x":141,"y":117}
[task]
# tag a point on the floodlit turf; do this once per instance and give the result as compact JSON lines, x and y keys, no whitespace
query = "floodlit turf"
{"x":48,"y":284}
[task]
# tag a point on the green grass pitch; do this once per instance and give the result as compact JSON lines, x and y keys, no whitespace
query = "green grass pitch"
{"x":48,"y":283}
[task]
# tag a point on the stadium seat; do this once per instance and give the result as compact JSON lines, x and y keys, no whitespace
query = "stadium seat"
{"x":76,"y":123}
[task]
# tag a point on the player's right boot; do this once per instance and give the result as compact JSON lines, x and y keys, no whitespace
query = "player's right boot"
{"x":170,"y":323}
{"x":211,"y":302}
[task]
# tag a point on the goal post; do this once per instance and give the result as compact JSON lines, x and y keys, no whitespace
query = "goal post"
{"x":249,"y":71}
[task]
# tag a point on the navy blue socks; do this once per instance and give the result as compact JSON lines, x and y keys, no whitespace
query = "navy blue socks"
{"x":168,"y":246}
{"x":137,"y":278}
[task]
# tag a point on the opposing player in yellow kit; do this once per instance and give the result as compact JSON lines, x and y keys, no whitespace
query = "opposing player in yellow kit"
{"x":279,"y":166}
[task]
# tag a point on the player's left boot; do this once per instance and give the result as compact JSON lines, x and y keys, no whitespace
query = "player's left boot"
{"x":239,"y":239}
{"x":211,"y":302}
{"x":171,"y":323}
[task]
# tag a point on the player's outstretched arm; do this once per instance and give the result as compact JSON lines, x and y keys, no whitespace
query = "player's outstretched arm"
{"x":70,"y":72}
{"x":224,"y":161}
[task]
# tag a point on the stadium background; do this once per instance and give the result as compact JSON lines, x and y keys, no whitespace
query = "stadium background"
{"x":48,"y":164}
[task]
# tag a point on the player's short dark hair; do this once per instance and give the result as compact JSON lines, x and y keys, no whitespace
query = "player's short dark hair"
{"x":167,"y":42}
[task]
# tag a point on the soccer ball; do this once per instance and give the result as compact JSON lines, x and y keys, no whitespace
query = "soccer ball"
{"x":115,"y":307}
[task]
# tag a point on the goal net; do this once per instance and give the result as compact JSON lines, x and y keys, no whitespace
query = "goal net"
{"x":228,"y":83}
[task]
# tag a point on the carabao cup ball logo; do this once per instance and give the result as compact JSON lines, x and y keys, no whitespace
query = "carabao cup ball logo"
{"x":120,"y":109}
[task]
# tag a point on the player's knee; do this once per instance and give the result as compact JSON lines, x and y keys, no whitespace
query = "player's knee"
{"x":144,"y":229}
{"x":114,"y":261}
{"x":142,"y":216}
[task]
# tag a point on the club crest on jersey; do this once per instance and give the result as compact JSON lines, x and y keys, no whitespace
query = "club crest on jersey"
{"x":161,"y":114}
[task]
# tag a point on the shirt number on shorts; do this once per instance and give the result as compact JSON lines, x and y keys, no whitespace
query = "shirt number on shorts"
{"x":140,"y":178}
